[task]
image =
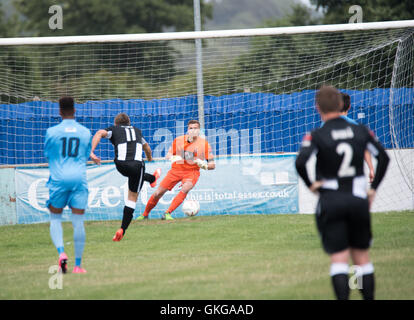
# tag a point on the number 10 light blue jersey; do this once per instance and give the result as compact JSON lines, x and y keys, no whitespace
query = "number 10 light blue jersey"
{"x":67,"y":149}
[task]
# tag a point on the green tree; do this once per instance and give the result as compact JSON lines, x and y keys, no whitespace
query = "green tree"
{"x":238,"y":14}
{"x":288,"y":63}
{"x":13,"y":62}
{"x":96,"y":17}
{"x":336,"y":11}
{"x":372,"y":11}
{"x":300,"y":16}
{"x":3,"y":23}
{"x":277,"y":60}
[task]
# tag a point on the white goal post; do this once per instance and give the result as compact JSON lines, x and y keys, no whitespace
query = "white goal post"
{"x":192,"y":35}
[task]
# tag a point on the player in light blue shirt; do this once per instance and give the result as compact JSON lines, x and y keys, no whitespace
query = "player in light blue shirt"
{"x":345,"y":109}
{"x":67,"y":148}
{"x":349,"y":120}
{"x":347,"y":105}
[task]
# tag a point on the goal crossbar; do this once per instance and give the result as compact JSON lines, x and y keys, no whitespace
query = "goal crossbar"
{"x":143,"y":37}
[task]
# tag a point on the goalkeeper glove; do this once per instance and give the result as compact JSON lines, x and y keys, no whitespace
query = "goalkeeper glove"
{"x":202,"y":164}
{"x":175,"y":159}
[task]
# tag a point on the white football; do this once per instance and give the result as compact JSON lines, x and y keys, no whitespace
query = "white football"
{"x":191,"y":207}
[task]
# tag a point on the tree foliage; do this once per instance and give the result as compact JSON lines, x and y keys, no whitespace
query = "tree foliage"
{"x":96,"y":17}
{"x":278,"y":64}
{"x":238,"y":14}
{"x":337,"y":11}
{"x":286,"y":63}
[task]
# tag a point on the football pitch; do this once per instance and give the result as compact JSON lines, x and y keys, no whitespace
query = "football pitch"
{"x":247,"y":257}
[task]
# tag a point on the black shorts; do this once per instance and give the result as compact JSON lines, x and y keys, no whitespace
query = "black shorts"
{"x":343,"y":221}
{"x":134,"y":171}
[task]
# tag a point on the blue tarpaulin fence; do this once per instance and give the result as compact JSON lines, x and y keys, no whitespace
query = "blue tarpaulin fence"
{"x":282,"y":119}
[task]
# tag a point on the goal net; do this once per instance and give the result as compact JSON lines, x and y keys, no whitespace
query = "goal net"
{"x":258,"y":88}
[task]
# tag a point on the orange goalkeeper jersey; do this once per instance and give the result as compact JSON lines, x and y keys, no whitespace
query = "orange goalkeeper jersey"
{"x":189,"y":151}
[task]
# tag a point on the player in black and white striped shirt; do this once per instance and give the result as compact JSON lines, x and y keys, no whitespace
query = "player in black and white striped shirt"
{"x":342,"y":214}
{"x":128,"y":144}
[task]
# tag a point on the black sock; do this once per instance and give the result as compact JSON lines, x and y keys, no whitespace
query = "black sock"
{"x":341,"y":286}
{"x":368,"y":286}
{"x":127,"y":217}
{"x":149,"y":177}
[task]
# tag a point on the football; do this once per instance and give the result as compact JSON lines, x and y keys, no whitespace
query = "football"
{"x":191,"y":207}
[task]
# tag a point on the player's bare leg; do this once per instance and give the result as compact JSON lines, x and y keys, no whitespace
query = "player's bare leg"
{"x":78,"y":238}
{"x":178,"y":199}
{"x":187,"y":186}
{"x":159,"y":193}
{"x":361,"y":258}
{"x":55,"y":210}
{"x":56,"y":233}
{"x":339,"y":274}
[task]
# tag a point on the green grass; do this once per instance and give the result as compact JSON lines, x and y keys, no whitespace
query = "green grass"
{"x":221,"y":257}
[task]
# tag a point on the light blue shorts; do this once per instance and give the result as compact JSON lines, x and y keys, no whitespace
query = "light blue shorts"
{"x":60,"y":197}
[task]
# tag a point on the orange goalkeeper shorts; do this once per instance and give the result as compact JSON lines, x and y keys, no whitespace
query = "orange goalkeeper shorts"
{"x":174,"y":176}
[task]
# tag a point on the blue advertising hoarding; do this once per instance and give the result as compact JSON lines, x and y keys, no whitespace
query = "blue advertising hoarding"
{"x":283,"y":120}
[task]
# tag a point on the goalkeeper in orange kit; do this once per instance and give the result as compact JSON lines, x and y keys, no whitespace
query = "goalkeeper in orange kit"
{"x":188,"y":154}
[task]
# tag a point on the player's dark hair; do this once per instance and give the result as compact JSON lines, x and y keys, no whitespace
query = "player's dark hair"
{"x":329,"y":99}
{"x":67,"y":106}
{"x":347,"y":102}
{"x":122,"y":119}
{"x":193,"y":122}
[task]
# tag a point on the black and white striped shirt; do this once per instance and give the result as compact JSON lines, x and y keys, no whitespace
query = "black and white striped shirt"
{"x":127,"y":141}
{"x":339,"y":147}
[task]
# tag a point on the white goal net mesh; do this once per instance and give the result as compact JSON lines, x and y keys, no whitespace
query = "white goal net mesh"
{"x":262,"y":84}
